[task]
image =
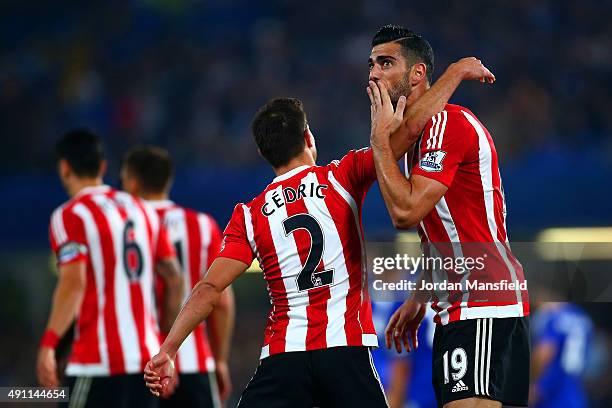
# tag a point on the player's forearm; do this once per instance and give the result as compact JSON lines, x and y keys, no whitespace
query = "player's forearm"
{"x":200,"y":304}
{"x":67,"y":299}
{"x":394,"y":187}
{"x":419,"y":112}
{"x":221,"y":325}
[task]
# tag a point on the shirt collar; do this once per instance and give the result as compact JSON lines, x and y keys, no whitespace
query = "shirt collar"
{"x":290,"y":173}
{"x":93,"y":189}
{"x":157,"y":204}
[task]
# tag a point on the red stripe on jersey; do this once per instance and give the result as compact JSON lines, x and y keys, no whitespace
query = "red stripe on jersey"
{"x":113,"y":343}
{"x":278,"y":320}
{"x":195,"y":263}
{"x":316,"y":311}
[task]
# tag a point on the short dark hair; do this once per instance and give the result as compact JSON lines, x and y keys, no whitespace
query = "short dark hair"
{"x":82,"y":150}
{"x":278,"y":129}
{"x":152,"y":166}
{"x":415,"y":47}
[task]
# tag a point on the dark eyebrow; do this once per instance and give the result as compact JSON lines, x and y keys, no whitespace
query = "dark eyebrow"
{"x":381,"y":58}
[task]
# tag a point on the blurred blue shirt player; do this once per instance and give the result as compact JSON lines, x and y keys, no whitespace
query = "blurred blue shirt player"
{"x":407,"y":376}
{"x":562,"y":338}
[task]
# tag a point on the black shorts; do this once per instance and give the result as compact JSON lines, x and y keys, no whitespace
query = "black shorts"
{"x":486,"y":358}
{"x":121,"y":391}
{"x":194,"y":390}
{"x":335,"y":377}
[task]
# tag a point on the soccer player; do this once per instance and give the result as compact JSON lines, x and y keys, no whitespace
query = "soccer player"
{"x":305,"y":230}
{"x":452,"y":191}
{"x":406,"y":377}
{"x":562,"y":338}
{"x":108,"y":245}
{"x":148,"y":172}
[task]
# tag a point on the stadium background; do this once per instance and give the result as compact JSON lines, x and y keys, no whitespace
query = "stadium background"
{"x":188,"y":75}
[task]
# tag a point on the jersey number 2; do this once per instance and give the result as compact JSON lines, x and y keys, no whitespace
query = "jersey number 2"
{"x":309,"y":278}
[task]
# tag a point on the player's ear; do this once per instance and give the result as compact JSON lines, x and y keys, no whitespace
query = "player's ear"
{"x":418,"y":73}
{"x":309,"y":138}
{"x":103,"y":167}
{"x":64,"y":168}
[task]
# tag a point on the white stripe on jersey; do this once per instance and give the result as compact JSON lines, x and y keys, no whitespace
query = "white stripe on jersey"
{"x":97,"y":262}
{"x":451,"y":229}
{"x":488,"y":361}
{"x":431,"y":132}
{"x":248,"y":222}
{"x":59,"y":231}
{"x":333,"y":257}
{"x":442,"y":128}
{"x":436,"y":130}
{"x":366,"y":339}
{"x":485,"y":159}
{"x":128,"y":334}
{"x":290,"y":266}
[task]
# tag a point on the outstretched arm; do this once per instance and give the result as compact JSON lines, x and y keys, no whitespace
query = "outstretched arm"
{"x":416,"y":116}
{"x":204,"y":296}
{"x":202,"y":300}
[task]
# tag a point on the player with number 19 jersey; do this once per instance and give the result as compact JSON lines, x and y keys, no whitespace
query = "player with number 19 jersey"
{"x":305,"y":230}
{"x":119,"y":237}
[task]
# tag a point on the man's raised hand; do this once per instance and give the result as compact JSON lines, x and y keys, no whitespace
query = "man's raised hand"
{"x":385,"y":119}
{"x":473,"y":69}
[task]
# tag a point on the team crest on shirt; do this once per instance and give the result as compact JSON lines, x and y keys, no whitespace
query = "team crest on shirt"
{"x":432,"y":161}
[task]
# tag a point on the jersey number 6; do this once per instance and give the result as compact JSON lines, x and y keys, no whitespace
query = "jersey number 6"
{"x":132,"y":254}
{"x":308,"y":278}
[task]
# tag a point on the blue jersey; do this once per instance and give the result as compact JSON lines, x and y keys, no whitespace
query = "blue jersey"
{"x":570,"y":331}
{"x":420,"y":393}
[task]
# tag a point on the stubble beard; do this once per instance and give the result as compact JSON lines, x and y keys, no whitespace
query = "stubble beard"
{"x":402,"y":88}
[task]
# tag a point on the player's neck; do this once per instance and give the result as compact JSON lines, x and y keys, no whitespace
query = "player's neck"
{"x":79,"y":184}
{"x":302,"y":160}
{"x":416,"y":93}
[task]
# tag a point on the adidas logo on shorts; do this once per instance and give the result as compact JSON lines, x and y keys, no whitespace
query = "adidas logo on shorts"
{"x":460,"y":386}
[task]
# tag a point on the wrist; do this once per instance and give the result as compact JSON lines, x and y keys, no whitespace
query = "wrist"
{"x":169,"y":349}
{"x":380,"y":141}
{"x":455,"y":70}
{"x":50,"y":339}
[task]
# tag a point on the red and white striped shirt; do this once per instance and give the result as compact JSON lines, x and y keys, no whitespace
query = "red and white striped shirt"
{"x":458,"y":151}
{"x":305,"y":229}
{"x":196,"y":238}
{"x":120,"y":238}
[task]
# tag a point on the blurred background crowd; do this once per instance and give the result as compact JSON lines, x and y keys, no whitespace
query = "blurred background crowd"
{"x":188,"y":75}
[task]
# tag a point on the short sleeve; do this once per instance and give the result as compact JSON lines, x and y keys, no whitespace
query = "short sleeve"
{"x":443,"y":146}
{"x":67,"y":237}
{"x":235,"y":244}
{"x":215,"y":241}
{"x":355,"y":171}
{"x":164,"y":249}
